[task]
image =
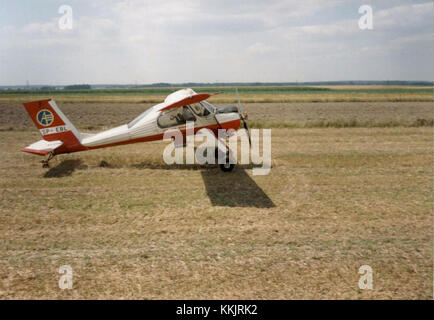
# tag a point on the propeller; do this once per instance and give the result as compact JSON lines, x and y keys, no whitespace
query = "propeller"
{"x":243,"y":116}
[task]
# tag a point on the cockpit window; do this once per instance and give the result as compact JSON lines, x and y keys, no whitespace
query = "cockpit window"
{"x":203,"y":108}
{"x":208,"y":106}
{"x":199,"y":109}
{"x":175,"y":117}
{"x":138,"y":118}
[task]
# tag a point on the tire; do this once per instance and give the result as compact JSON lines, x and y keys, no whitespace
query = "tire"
{"x":227,"y":167}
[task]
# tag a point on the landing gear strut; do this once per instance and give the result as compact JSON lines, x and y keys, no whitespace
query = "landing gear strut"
{"x":45,"y":163}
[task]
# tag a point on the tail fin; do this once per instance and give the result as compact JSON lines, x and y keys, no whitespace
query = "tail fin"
{"x":53,"y":124}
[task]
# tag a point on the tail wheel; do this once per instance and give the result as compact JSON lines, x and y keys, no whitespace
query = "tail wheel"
{"x":45,"y":163}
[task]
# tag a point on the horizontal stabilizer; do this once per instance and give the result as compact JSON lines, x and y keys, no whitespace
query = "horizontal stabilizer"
{"x":43,"y":147}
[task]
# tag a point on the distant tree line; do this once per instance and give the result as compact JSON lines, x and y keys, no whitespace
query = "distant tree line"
{"x":77,"y":87}
{"x":267,"y":84}
{"x":215,"y":84}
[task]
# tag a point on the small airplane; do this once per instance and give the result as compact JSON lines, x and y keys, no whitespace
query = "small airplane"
{"x":60,"y":136}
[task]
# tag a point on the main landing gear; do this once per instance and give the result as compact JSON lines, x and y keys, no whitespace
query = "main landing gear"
{"x":226,"y":166}
{"x":45,"y":163}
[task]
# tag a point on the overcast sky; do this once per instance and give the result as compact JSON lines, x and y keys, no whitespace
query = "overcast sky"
{"x":214,"y":41}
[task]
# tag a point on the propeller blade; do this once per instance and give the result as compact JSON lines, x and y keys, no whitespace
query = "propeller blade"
{"x":240,"y":108}
{"x":247,"y":129}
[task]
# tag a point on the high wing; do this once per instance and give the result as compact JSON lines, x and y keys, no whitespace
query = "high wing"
{"x":192,"y":99}
{"x":183,"y":97}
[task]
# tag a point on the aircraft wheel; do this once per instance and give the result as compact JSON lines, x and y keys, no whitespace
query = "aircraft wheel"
{"x":227,"y":167}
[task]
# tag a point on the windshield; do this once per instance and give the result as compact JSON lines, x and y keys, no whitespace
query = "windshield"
{"x":140,"y":117}
{"x":208,"y":106}
{"x":199,"y":109}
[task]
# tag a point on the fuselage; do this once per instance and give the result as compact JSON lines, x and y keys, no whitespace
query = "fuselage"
{"x":182,"y":106}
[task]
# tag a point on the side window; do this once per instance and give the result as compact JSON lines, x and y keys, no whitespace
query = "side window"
{"x":175,"y":117}
{"x":199,"y":110}
{"x":188,"y":115}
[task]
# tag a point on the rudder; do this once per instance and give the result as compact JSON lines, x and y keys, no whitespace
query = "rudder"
{"x":53,"y":124}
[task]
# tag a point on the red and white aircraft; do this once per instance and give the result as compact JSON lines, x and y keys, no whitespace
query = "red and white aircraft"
{"x":60,"y":136}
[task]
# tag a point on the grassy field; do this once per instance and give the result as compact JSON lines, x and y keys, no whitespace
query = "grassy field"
{"x":282,"y":94}
{"x":335,"y":199}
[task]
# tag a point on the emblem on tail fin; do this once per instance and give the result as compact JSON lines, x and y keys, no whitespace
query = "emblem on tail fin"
{"x":58,"y":133}
{"x":45,"y":117}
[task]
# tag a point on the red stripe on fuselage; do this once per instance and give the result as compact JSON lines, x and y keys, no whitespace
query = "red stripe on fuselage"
{"x":70,"y":142}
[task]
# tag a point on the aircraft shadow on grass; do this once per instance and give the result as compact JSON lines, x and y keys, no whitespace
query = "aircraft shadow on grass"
{"x":229,"y":189}
{"x":64,"y":169}
{"x":234,"y":189}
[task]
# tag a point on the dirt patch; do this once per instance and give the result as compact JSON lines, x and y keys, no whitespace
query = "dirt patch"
{"x":95,"y":116}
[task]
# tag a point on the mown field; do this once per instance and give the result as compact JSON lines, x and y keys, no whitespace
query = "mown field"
{"x":336,"y":199}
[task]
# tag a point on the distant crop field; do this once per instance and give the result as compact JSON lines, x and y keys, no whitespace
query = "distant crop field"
{"x":247,"y":94}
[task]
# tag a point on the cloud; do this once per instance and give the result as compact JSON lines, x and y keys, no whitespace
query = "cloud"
{"x":227,"y":40}
{"x":411,"y":16}
{"x":260,"y":48}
